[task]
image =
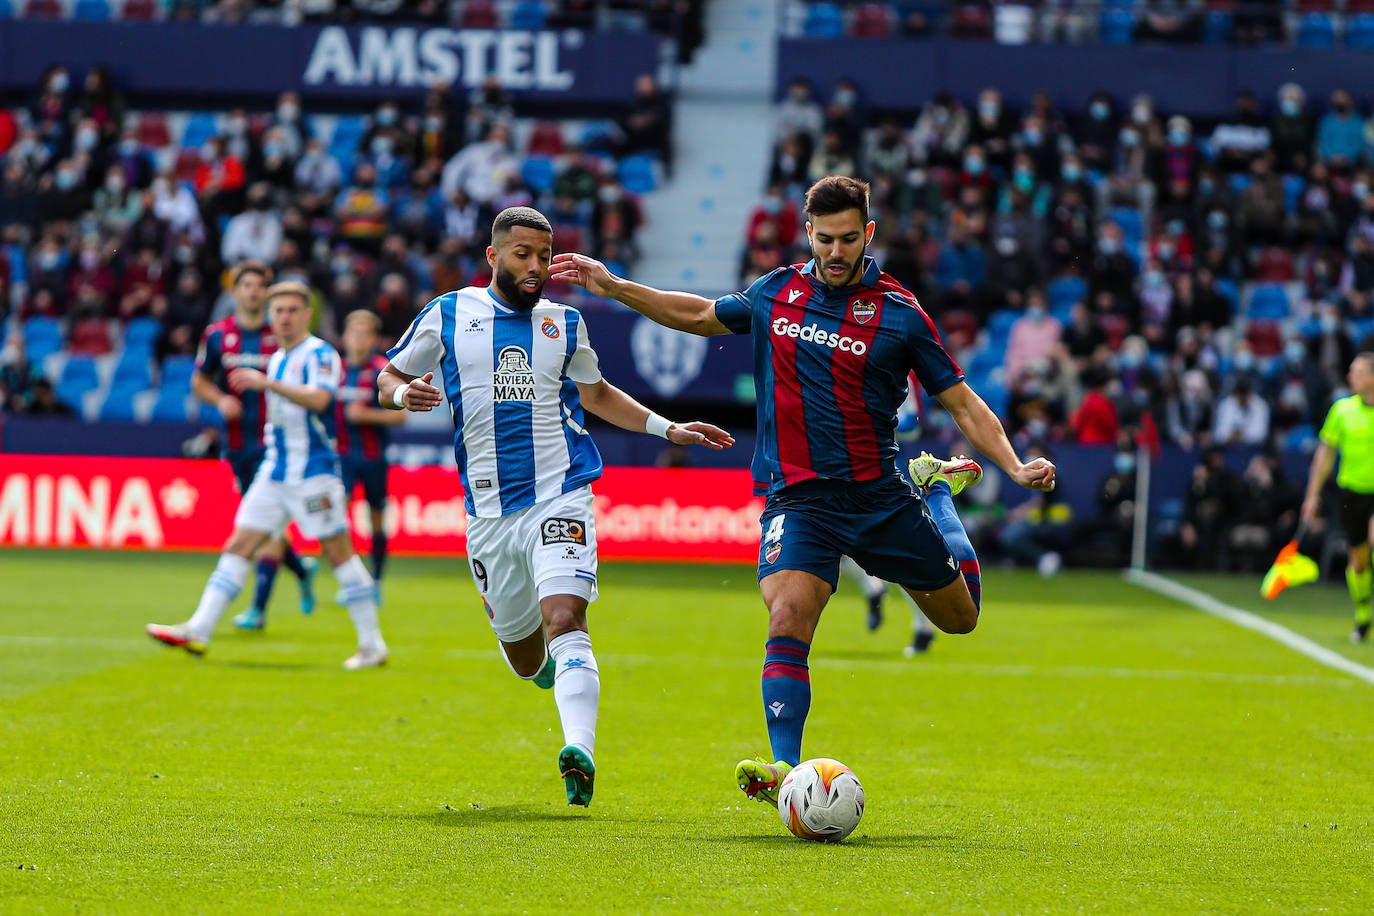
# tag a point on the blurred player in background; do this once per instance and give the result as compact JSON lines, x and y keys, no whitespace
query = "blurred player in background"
{"x":834,"y":340}
{"x":518,"y":373}
{"x":243,"y":340}
{"x":361,"y":426}
{"x":298,"y":481}
{"x":874,"y":591}
{"x":1349,"y":433}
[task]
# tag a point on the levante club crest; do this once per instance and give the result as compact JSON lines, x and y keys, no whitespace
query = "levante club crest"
{"x":863,"y":311}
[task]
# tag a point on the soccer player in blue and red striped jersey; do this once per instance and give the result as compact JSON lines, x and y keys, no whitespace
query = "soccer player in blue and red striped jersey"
{"x":361,"y":427}
{"x":834,"y":340}
{"x":244,"y":341}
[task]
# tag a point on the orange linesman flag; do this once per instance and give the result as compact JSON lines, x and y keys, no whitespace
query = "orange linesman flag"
{"x":1291,"y":568}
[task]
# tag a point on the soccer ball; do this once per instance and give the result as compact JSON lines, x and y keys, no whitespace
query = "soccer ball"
{"x":821,"y":799}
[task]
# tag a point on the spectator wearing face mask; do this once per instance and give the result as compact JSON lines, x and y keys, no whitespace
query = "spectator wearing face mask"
{"x":317,"y":171}
{"x":1096,"y":134}
{"x":1095,"y":422}
{"x":1241,"y":135}
{"x":1242,"y":416}
{"x":62,"y":194}
{"x":799,"y":117}
{"x":256,"y":233}
{"x":1188,"y":411}
{"x":776,"y":210}
{"x":941,"y":132}
{"x":293,"y":128}
{"x":51,"y":112}
{"x":384,"y":154}
{"x":1340,"y":133}
{"x":1011,"y":273}
{"x":1156,"y":296}
{"x":1112,"y":271}
{"x":102,"y":103}
{"x":992,"y":128}
{"x":1035,"y":336}
{"x":117,"y":205}
{"x":1261,"y":205}
{"x":1293,"y":130}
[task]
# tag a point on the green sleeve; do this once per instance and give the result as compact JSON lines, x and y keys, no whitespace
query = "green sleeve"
{"x":1331,"y":429}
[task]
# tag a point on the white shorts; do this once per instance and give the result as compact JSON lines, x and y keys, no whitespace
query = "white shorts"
{"x":547,"y":549}
{"x":316,"y":504}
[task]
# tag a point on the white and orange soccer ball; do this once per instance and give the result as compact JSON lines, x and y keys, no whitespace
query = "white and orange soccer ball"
{"x":821,"y":799}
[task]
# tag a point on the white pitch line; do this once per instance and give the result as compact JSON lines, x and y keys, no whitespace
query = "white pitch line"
{"x":1280,"y":634}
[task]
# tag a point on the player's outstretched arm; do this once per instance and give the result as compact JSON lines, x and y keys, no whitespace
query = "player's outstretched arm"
{"x":984,"y":431}
{"x":679,"y":311}
{"x":615,"y":406}
{"x":311,"y":397}
{"x":207,"y":392}
{"x":398,"y":391}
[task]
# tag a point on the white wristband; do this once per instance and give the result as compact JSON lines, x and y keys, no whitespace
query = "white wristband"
{"x":398,"y":397}
{"x":657,"y":425}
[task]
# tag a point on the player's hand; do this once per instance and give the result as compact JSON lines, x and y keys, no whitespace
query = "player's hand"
{"x":698,"y":433}
{"x":1036,"y":474}
{"x":1309,"y":510}
{"x":230,"y":407}
{"x":586,"y":272}
{"x":244,"y":379}
{"x":421,"y":396}
{"x":355,"y":412}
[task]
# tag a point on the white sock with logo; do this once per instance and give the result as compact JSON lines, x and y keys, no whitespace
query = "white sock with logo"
{"x":576,"y":688}
{"x":360,"y":597}
{"x":220,"y":591}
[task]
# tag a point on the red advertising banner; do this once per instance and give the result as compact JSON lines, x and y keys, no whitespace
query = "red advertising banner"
{"x":177,"y":504}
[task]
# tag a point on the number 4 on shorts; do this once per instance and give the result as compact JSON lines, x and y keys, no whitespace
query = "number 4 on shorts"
{"x":774,"y":532}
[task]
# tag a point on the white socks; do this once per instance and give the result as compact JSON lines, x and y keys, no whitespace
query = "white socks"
{"x":576,"y":688}
{"x":872,"y":586}
{"x":224,"y":586}
{"x":359,"y":595}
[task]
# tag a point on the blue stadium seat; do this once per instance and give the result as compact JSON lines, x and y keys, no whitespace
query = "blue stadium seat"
{"x":1293,"y":186}
{"x":6,"y":9}
{"x":1117,"y":26}
{"x":1064,"y":291}
{"x":1268,"y":301}
{"x":637,"y":174}
{"x":1239,"y":182}
{"x":80,"y":372}
{"x":1361,"y":329}
{"x":176,"y":372}
{"x":528,"y":16}
{"x":92,"y":11}
{"x":1316,"y":30}
{"x":823,"y":20}
{"x":134,"y":369}
{"x":1000,"y":322}
{"x":538,"y":173}
{"x":119,"y":403}
{"x":1218,"y":27}
{"x":1231,"y":291}
{"x":142,"y":333}
{"x":996,"y":396}
{"x":200,"y":127}
{"x":42,"y":338}
{"x":170,"y":405}
{"x":1300,"y":438}
{"x":1359,"y":32}
{"x":1132,"y":226}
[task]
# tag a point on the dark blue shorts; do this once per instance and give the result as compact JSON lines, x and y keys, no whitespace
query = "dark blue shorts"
{"x":371,"y":473}
{"x":882,"y":524}
{"x":245,"y":466}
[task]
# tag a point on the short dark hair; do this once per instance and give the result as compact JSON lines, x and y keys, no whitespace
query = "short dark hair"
{"x":511,"y":217}
{"x":251,"y":267}
{"x":836,"y":194}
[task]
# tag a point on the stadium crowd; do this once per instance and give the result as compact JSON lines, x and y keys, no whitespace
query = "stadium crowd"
{"x":1116,"y":274}
{"x":115,"y":235}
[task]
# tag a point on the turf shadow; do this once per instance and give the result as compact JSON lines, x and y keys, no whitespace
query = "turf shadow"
{"x":467,"y":815}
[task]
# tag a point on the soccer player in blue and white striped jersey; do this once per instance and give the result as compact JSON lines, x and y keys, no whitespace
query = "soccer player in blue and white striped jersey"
{"x":518,"y":373}
{"x":298,"y":480}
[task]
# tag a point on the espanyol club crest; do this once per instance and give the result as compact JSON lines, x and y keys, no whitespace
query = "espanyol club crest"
{"x":862,"y":311}
{"x":772,"y":552}
{"x":550,"y":329}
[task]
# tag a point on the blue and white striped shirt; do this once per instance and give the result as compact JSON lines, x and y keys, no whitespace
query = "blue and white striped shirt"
{"x":299,"y":442}
{"x":511,"y":381}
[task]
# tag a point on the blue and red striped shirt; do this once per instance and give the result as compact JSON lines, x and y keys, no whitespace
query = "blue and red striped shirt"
{"x":362,"y":440}
{"x":226,"y":346}
{"x":830,"y":371}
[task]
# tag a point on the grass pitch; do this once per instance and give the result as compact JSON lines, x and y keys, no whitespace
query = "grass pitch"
{"x":1090,"y":748}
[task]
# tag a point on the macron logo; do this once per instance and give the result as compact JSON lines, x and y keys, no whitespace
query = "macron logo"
{"x":793,"y":295}
{"x":776,"y":708}
{"x":814,"y":333}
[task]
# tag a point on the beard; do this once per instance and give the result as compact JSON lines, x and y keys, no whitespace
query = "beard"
{"x":851,"y":269}
{"x":514,"y":293}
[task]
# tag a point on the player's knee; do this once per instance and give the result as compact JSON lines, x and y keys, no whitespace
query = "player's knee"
{"x":965,"y":620}
{"x":1358,"y":559}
